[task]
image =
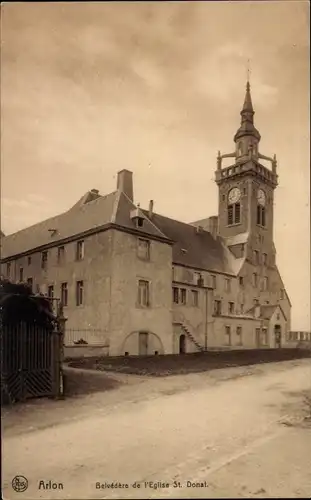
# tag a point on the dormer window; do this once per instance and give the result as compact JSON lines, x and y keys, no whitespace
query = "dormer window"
{"x":137,"y":217}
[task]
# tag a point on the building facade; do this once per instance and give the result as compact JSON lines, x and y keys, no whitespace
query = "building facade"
{"x":143,"y":284}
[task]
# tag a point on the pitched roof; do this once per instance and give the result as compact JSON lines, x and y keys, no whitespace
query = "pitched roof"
{"x":237,"y":239}
{"x":90,"y":212}
{"x":81,"y":217}
{"x":266,"y":310}
{"x":190,"y":247}
{"x":195,"y":249}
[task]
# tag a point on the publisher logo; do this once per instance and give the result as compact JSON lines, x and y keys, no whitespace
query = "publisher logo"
{"x":19,"y":484}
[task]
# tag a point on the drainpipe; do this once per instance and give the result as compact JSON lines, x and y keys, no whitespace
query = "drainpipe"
{"x":206,"y":319}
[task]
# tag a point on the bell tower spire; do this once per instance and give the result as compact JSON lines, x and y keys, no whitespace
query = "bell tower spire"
{"x":246,"y":186}
{"x":247,"y":136}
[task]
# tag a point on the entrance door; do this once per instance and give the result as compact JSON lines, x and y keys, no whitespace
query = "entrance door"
{"x":277,"y":336}
{"x":182,"y":344}
{"x":143,"y":344}
{"x":257,"y":338}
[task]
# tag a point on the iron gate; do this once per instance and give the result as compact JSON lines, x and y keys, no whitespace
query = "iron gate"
{"x":31,"y":361}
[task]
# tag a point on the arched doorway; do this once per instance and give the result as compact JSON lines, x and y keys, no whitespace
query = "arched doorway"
{"x":182,"y":344}
{"x":277,"y":336}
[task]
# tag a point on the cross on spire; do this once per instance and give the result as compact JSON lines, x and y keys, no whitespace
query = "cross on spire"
{"x":248,"y":70}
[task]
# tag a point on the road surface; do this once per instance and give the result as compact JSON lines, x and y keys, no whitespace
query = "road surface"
{"x":236,"y":432}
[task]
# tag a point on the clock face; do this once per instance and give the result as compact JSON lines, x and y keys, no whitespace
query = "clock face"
{"x":234,"y":195}
{"x":261,"y":197}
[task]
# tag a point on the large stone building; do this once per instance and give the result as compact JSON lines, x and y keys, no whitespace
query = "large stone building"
{"x":142,"y":283}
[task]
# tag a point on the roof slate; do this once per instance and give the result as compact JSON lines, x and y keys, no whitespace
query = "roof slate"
{"x":190,"y":248}
{"x":81,"y":217}
{"x":193,"y":249}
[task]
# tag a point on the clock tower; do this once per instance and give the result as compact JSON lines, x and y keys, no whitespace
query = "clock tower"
{"x":246,"y":191}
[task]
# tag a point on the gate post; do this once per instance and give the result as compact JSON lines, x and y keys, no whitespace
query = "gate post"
{"x":59,"y":345}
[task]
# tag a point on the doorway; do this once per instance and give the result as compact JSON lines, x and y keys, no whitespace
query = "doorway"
{"x":277,"y":336}
{"x":143,"y":344}
{"x":182,"y":344}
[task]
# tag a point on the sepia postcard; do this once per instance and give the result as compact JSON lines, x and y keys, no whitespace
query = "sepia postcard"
{"x":155,"y":250}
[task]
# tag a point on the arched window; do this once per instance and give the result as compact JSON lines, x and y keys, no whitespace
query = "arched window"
{"x":240,"y":149}
{"x":261,"y":215}
{"x":234,"y":206}
{"x":234,"y":214}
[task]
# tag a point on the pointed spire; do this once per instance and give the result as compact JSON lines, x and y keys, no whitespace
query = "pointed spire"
{"x":247,"y":117}
{"x":248,"y":105}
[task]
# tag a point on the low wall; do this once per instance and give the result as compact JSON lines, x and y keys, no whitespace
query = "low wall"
{"x":85,"y":351}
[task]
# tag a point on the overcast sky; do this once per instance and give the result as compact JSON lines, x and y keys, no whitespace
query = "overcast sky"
{"x":88,"y":89}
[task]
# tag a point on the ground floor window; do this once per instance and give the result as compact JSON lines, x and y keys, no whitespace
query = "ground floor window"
{"x":264,"y":336}
{"x":227,"y":335}
{"x":239,"y":335}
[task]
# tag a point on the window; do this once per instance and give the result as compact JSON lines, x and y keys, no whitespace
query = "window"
{"x":198,"y":279}
{"x":256,"y":302}
{"x":51,"y":291}
{"x":21,"y":274}
{"x":237,"y":213}
{"x":231,"y":307}
{"x":79,"y":293}
{"x":173,"y":273}
{"x":255,"y":279}
{"x":175,"y":295}
{"x":264,"y":332}
{"x":234,"y":214}
{"x":140,"y":222}
{"x":213,"y":281}
{"x":29,"y":261}
{"x":264,"y":259}
{"x":241,"y":281}
{"x":228,"y":335}
{"x":80,"y":250}
{"x":239,"y":335}
{"x":30,"y":283}
{"x":44,"y":260}
{"x":242,"y":308}
{"x":8,"y":270}
{"x":282,"y":294}
{"x":261,"y":215}
{"x":143,"y":293}
{"x":61,"y":254}
{"x":64,"y":294}
{"x":217,"y":307}
{"x":265,"y":283}
{"x":230,"y":215}
{"x":183,"y":295}
{"x":195,"y":298}
{"x":143,"y":249}
{"x":255,"y":257}
{"x":227,"y":285}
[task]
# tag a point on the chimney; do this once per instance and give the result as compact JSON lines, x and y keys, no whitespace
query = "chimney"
{"x":150,"y":212}
{"x":125,"y":183}
{"x":213,"y":226}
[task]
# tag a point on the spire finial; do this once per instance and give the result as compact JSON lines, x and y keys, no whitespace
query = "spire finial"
{"x":248,"y":70}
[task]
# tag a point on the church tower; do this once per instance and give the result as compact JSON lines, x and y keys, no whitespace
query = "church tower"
{"x":246,"y":191}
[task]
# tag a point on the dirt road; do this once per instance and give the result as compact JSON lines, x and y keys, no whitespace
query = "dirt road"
{"x":234,"y":432}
